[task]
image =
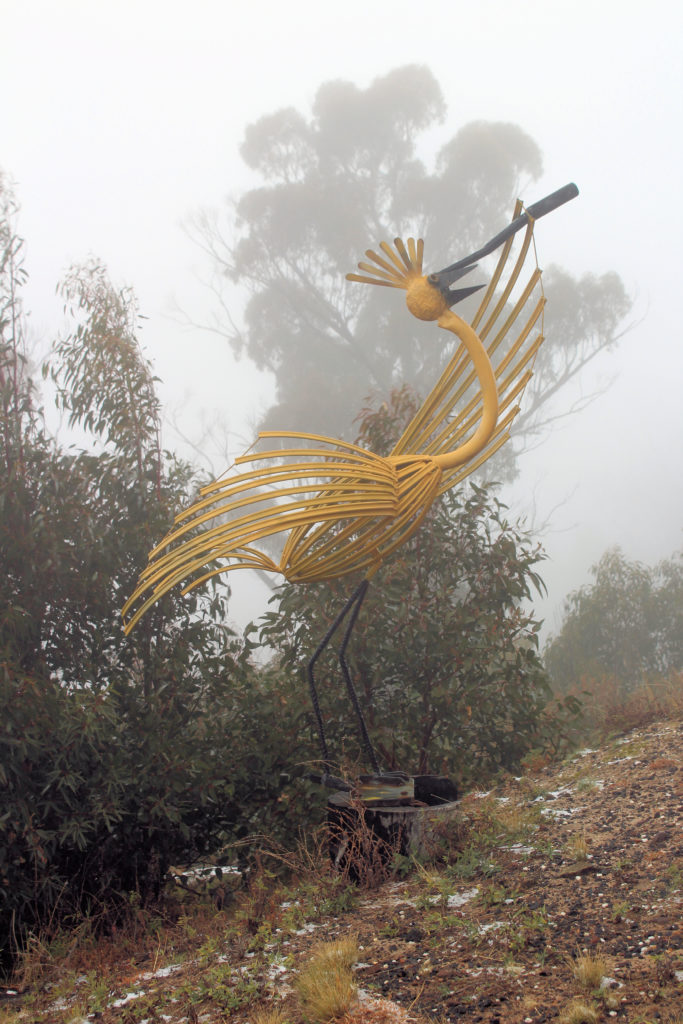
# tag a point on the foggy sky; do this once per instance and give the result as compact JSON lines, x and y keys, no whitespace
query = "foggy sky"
{"x":121,"y":119}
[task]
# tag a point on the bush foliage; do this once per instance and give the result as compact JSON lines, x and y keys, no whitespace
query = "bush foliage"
{"x":118,"y":755}
{"x":113,"y":764}
{"x":445,"y":650}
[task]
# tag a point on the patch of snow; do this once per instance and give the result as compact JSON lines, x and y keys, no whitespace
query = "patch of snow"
{"x":162,"y":972}
{"x":307,"y":928}
{"x":559,"y":812}
{"x":128,"y":998}
{"x":203,"y":872}
{"x":458,"y":899}
{"x":276,"y":970}
{"x":58,"y":1005}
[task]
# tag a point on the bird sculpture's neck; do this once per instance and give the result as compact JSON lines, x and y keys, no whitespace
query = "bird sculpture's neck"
{"x":427,"y":302}
{"x":450,"y":321}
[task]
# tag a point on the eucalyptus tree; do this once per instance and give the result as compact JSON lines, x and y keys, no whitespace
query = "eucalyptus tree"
{"x":626,"y":625}
{"x":354,"y":171}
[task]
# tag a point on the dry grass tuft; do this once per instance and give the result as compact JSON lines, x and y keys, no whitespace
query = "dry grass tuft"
{"x":590,"y":969}
{"x":341,"y":952}
{"x":577,"y":846}
{"x":271,"y":1015}
{"x":579,"y":1012}
{"x":325,"y":987}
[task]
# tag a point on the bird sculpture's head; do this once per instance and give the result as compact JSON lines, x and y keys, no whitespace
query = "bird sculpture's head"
{"x":428,"y":296}
{"x":424,"y":300}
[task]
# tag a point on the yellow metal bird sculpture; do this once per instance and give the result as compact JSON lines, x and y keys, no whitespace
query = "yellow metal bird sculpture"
{"x":340,"y":508}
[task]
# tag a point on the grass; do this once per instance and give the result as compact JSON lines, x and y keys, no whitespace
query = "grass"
{"x":487,"y":826}
{"x":325,"y":987}
{"x":577,"y":847}
{"x":578,"y":1012}
{"x":224,"y":955}
{"x":674,"y":877}
{"x":473,"y":863}
{"x":608,"y":710}
{"x":505,"y":823}
{"x":270,"y":1015}
{"x":227,"y":955}
{"x":619,"y":911}
{"x":589,"y":969}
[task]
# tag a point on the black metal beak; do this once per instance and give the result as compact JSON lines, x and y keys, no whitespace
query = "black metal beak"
{"x":444,"y":278}
{"x":534,"y":212}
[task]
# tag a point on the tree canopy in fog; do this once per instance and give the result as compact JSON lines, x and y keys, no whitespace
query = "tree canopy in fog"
{"x":344,"y":178}
{"x":626,"y":625}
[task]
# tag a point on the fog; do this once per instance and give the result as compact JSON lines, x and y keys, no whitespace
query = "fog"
{"x":121,"y":120}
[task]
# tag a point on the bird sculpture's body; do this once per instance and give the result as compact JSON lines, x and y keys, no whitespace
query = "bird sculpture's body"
{"x":340,"y":508}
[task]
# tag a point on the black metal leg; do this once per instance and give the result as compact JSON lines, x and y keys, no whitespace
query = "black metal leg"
{"x":369,"y":749}
{"x":356,"y":600}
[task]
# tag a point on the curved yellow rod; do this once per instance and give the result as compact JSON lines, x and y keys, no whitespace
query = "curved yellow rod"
{"x":428,"y":303}
{"x":489,"y":390}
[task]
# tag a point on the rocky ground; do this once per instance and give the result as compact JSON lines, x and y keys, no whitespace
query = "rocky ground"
{"x":596,"y":870}
{"x":557,"y":893}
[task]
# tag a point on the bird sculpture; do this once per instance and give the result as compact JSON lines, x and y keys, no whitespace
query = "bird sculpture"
{"x":341,"y":509}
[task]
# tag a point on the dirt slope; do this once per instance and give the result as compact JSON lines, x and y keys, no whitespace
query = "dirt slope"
{"x":592,"y":865}
{"x":579,"y":864}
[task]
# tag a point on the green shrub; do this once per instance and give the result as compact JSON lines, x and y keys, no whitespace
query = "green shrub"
{"x":114,"y":759}
{"x":445,"y":651}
